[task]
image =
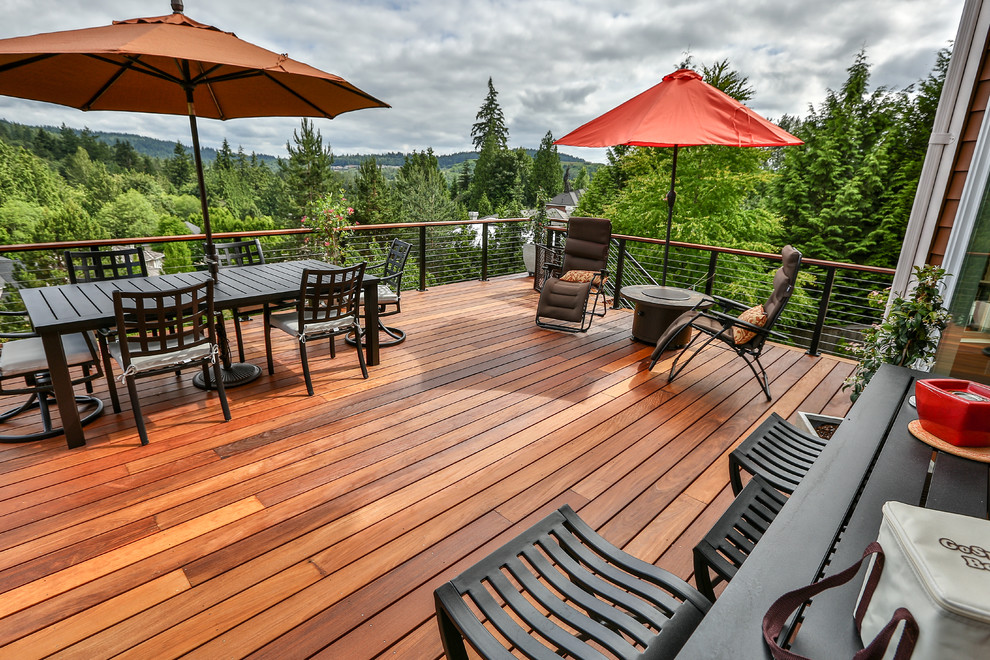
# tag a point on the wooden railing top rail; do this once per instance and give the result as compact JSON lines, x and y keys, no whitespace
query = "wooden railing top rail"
{"x":751,"y":253}
{"x":68,"y":245}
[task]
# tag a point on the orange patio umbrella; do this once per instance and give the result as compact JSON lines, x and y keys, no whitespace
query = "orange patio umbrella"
{"x":172,"y":65}
{"x":680,"y":111}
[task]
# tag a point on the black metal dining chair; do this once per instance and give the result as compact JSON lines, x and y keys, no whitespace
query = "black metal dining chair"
{"x":24,"y":371}
{"x":561,"y":590}
{"x":389,"y":290}
{"x":234,"y":254}
{"x":327,"y":306}
{"x":165,"y":331}
{"x":101,"y":266}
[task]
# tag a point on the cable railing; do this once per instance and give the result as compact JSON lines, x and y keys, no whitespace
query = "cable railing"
{"x":828,"y":310}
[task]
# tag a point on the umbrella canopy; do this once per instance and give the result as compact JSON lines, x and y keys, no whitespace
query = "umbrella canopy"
{"x":171,"y":65}
{"x":680,"y":111}
{"x":145,"y":64}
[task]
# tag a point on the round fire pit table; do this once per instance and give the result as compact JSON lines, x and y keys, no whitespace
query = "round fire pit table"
{"x":658,"y":306}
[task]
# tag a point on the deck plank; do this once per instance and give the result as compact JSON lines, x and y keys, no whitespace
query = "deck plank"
{"x":319,"y":526}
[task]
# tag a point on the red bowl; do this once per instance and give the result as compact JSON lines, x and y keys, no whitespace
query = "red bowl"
{"x":956,"y":411}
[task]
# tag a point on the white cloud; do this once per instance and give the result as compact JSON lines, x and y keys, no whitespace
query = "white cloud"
{"x":555,"y":63}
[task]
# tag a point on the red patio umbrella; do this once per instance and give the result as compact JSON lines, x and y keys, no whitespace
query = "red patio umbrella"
{"x":680,"y":111}
{"x":172,"y":65}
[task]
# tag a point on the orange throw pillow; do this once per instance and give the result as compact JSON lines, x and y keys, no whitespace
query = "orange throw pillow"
{"x":756,"y":316}
{"x":579,"y":276}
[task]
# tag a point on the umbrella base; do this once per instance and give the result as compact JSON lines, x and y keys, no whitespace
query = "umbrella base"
{"x":240,"y":373}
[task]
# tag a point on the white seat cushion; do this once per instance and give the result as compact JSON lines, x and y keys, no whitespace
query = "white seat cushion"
{"x":175,"y":358}
{"x":385,"y":295}
{"x":290,"y":323}
{"x":27,"y":356}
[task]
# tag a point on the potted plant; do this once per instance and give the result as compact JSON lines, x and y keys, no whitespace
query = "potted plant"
{"x":909,"y":334}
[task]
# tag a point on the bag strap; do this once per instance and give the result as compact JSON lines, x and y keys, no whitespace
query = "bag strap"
{"x":777,"y":615}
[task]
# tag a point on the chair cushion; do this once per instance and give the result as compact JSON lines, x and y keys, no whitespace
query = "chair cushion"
{"x":386,"y":295}
{"x":754,"y":315}
{"x":27,"y":356}
{"x":580,"y":276}
{"x":174,"y":358}
{"x":290,"y":323}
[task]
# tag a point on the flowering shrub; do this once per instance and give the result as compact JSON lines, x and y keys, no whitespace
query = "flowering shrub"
{"x":329,"y":216}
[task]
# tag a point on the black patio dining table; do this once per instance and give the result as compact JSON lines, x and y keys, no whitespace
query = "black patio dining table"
{"x":830,"y":519}
{"x":56,"y":310}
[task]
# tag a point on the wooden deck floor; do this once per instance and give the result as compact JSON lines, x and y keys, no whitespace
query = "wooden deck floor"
{"x":319,"y":526}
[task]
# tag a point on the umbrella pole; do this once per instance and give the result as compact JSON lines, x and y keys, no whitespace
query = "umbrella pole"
{"x":671,"y":196}
{"x":211,"y":251}
{"x":233,"y":374}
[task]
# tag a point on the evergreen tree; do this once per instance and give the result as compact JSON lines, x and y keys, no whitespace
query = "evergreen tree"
{"x":582,"y":180}
{"x":374,"y":199}
{"x":308,"y":171}
{"x":224,"y":159}
{"x":422,"y":190}
{"x":125,"y":156}
{"x":179,"y":168}
{"x":496,"y":176}
{"x":491,"y":122}
{"x":846,"y":193}
{"x":722,"y":77}
{"x":546,"y":175}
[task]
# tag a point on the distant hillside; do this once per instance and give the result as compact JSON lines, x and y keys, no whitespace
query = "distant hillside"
{"x":156,"y":148}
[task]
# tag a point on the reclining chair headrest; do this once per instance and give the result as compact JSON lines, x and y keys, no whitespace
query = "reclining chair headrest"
{"x":587,"y":244}
{"x":783,"y":283}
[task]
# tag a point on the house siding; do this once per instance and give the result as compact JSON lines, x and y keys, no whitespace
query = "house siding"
{"x":964,"y":158}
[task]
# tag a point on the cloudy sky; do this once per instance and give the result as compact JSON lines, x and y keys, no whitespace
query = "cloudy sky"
{"x":555,"y":63}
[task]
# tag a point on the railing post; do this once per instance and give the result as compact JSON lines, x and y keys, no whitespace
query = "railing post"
{"x":619,"y":264}
{"x":422,"y":258}
{"x":816,"y":336}
{"x":484,"y":252}
{"x":710,"y":281}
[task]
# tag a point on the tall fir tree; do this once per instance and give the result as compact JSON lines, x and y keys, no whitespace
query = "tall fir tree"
{"x":547,"y":175}
{"x":308,"y":171}
{"x":373,"y":204}
{"x":491,"y":122}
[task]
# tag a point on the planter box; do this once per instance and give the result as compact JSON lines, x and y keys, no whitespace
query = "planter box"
{"x":812,"y":421}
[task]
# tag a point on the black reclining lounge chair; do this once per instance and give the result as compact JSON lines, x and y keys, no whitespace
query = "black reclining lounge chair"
{"x":568,"y":287}
{"x":745,"y":333}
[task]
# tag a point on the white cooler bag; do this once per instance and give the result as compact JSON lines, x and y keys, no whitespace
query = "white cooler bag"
{"x":937,"y":566}
{"x":926,"y":595}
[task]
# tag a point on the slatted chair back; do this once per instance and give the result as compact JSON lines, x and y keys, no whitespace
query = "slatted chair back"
{"x":778,"y":451}
{"x":103,"y":265}
{"x":395,"y":262}
{"x":327,"y":296}
{"x":731,"y":540}
{"x":163,"y":325}
{"x":240,"y":253}
{"x":591,"y":596}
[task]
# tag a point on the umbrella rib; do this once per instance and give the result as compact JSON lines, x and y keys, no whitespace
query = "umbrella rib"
{"x":121,"y":70}
{"x":298,"y":96}
{"x":138,"y":66}
{"x":30,"y":60}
